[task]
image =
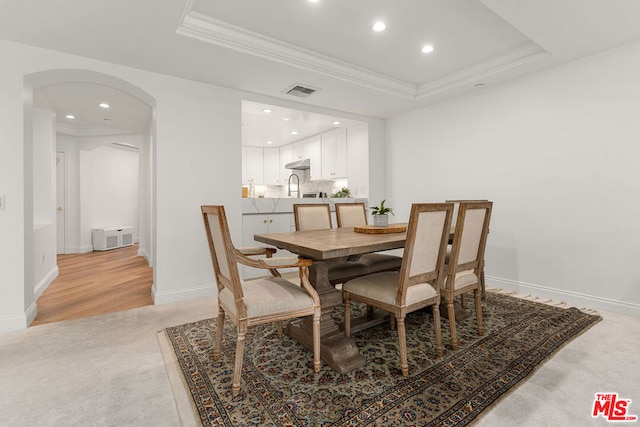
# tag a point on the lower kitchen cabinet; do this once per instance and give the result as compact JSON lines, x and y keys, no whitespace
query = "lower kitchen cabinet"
{"x":261,"y":224}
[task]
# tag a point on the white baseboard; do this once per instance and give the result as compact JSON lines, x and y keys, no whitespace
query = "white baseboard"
{"x":45,"y":282}
{"x":573,"y":298}
{"x":160,"y":298}
{"x":18,"y":323}
{"x":78,"y":249}
{"x":145,"y":255}
{"x":31,"y":313}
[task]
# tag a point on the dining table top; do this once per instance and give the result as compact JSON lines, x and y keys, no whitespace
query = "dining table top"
{"x":332,"y":243}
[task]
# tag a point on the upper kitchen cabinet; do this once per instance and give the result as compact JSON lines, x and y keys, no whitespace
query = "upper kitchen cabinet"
{"x":334,"y":154}
{"x":310,"y":148}
{"x":271,"y":166}
{"x":252,"y":165}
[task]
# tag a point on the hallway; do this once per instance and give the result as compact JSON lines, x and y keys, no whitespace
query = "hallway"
{"x":96,"y":283}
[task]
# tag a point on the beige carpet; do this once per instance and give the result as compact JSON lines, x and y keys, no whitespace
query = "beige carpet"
{"x":109,"y":371}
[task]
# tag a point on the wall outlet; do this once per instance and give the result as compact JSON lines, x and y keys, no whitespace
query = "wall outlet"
{"x":1,"y":203}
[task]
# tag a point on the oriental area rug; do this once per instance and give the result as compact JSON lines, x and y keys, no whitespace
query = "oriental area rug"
{"x":279,"y":387}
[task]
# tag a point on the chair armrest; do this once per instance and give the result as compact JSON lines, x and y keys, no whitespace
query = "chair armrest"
{"x":257,"y":250}
{"x":272,"y":263}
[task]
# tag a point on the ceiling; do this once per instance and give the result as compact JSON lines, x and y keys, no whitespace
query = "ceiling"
{"x":267,"y":47}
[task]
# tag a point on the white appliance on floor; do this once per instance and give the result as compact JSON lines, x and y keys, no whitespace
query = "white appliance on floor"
{"x":104,"y":239}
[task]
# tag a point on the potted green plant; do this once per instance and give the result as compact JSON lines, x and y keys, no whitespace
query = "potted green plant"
{"x":381,"y":214}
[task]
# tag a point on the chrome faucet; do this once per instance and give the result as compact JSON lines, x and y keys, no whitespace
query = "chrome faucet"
{"x":297,"y":190}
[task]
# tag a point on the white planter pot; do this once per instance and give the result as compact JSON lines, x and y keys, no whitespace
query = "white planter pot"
{"x":381,"y":220}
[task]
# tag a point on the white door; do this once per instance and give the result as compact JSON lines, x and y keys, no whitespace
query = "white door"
{"x":60,"y":207}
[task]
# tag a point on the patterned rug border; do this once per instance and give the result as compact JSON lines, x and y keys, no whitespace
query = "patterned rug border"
{"x":488,"y":395}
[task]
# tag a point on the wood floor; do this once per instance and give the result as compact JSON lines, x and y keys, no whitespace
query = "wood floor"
{"x":96,"y":283}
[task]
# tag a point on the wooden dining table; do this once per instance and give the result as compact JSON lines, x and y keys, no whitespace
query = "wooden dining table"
{"x":325,"y":247}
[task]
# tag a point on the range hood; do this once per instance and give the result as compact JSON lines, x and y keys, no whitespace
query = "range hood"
{"x":299,"y":164}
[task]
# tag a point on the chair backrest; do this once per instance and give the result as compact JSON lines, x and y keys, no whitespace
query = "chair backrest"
{"x":222,"y":251}
{"x":470,"y":238}
{"x":351,"y":214}
{"x":426,"y":247}
{"x":456,"y":205}
{"x":312,"y":216}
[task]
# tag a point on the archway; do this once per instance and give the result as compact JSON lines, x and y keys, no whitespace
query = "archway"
{"x":78,"y":223}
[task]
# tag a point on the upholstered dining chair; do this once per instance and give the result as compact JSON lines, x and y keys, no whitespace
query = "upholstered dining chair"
{"x":256,"y":301}
{"x":465,"y":262}
{"x":417,"y":284}
{"x":317,"y":216}
{"x":456,"y":204}
{"x":355,"y":214}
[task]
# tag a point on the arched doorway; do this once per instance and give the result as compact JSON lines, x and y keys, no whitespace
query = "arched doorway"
{"x":129,"y":125}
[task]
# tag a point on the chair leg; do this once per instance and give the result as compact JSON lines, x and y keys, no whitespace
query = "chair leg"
{"x":279,"y":326}
{"x":347,"y":316}
{"x":392,"y":321}
{"x":484,"y":293}
{"x":462,"y":303}
{"x":316,"y":341}
{"x":436,"y":322}
{"x":219,"y":328}
{"x":402,"y":341}
{"x":476,"y":294}
{"x":452,"y":323}
{"x":237,"y":369}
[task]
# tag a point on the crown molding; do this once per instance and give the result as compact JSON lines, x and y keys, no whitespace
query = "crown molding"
{"x":205,"y":28}
{"x":520,"y":56}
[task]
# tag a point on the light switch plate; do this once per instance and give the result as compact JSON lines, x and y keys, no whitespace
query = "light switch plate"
{"x":1,"y":203}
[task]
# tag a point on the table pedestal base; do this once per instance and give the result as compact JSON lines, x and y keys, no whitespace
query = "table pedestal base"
{"x":338,"y":351}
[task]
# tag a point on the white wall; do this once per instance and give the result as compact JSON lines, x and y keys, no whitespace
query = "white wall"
{"x":45,"y":269}
{"x":197,"y":156}
{"x":558,"y":154}
{"x":114,"y":192}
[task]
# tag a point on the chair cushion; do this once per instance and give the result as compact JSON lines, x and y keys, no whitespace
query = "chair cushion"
{"x":380,"y":262}
{"x":268,"y":296}
{"x":383,"y":287}
{"x":463,"y":279}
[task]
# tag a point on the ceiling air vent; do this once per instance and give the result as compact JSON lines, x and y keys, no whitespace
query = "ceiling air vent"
{"x":299,"y":91}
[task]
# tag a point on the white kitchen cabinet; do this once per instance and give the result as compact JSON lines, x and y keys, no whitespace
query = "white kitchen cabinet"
{"x":271,"y":166}
{"x":286,"y":156}
{"x":261,"y":224}
{"x":252,"y":165}
{"x":314,"y":150}
{"x":334,"y":154}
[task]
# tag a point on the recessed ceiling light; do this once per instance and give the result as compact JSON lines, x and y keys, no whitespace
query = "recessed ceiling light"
{"x":107,"y":120}
{"x":286,"y":119}
{"x":336,"y":123}
{"x":70,"y":116}
{"x":267,"y":110}
{"x":479,"y":84}
{"x":103,"y":105}
{"x":427,"y":48}
{"x":314,"y":1}
{"x":269,"y":142}
{"x":379,"y":26}
{"x":293,"y":132}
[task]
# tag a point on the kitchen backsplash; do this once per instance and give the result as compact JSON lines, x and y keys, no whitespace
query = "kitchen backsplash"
{"x":306,"y":186}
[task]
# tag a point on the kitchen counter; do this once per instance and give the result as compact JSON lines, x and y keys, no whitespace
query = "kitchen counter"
{"x":285,"y":205}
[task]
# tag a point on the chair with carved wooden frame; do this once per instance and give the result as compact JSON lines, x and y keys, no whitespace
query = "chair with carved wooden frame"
{"x":456,"y":204}
{"x":418,"y":283}
{"x":263,"y":300}
{"x":317,"y":216}
{"x":355,"y":214}
{"x":465,"y":263}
